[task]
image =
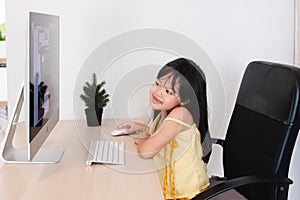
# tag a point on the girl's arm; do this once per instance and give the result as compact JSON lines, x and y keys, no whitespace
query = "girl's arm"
{"x":164,"y":134}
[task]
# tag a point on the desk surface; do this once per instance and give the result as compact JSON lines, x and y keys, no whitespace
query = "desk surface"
{"x":71,"y":178}
{"x":3,"y":103}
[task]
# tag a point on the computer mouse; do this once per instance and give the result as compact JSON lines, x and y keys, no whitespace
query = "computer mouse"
{"x":118,"y":132}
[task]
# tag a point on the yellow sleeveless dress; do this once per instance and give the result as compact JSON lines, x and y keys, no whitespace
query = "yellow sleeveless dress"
{"x":181,"y":170}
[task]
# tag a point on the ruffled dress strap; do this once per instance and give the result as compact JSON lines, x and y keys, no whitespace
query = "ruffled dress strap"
{"x":178,"y":121}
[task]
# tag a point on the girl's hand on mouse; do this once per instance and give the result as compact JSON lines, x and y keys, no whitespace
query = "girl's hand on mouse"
{"x":129,"y":126}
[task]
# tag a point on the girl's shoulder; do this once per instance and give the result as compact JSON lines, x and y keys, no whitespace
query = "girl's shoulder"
{"x":181,"y":114}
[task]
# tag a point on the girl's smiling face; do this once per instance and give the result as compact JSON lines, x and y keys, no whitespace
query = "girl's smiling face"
{"x":163,"y":95}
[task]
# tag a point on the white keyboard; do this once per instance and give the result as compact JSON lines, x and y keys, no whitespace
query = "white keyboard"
{"x":107,"y":152}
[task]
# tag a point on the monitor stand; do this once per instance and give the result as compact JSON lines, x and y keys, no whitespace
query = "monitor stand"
{"x":10,"y":154}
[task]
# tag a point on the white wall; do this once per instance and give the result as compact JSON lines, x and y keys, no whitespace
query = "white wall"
{"x":232,"y":33}
{"x":2,"y":11}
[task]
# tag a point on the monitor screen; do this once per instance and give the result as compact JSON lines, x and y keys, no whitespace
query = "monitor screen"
{"x":43,"y":77}
{"x":43,"y":70}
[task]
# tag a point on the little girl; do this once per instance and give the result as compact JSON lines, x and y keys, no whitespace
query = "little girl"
{"x":178,"y":98}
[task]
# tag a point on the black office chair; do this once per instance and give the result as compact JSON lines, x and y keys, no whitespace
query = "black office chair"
{"x":261,"y":135}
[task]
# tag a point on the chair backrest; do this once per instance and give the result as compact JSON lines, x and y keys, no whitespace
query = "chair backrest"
{"x":263,"y":127}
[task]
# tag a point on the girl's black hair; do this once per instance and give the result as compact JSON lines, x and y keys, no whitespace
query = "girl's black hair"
{"x":192,"y":90}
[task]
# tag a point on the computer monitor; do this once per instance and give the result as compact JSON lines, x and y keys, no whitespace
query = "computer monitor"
{"x":39,"y":95}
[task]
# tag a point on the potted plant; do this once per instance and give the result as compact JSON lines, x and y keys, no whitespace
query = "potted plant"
{"x":95,"y":98}
{"x":2,"y":43}
{"x":2,"y":37}
{"x":2,"y":32}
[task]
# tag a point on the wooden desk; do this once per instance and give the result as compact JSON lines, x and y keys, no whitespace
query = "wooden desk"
{"x":3,"y":103}
{"x":72,"y":179}
{"x":2,"y":60}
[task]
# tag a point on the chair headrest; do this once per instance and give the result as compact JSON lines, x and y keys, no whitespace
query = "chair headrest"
{"x":271,"y":89}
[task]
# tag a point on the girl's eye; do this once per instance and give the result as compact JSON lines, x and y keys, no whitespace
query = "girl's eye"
{"x":157,"y":83}
{"x":168,"y":91}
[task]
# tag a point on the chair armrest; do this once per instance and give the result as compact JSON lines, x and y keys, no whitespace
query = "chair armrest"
{"x":213,"y":141}
{"x":217,"y":141}
{"x":236,"y":182}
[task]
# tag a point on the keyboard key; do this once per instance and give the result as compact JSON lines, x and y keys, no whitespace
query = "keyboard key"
{"x":99,"y":150}
{"x":110,"y":152}
{"x":121,"y":153}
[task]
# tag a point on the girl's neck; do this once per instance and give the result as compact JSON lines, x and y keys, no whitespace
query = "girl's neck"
{"x":163,"y":114}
